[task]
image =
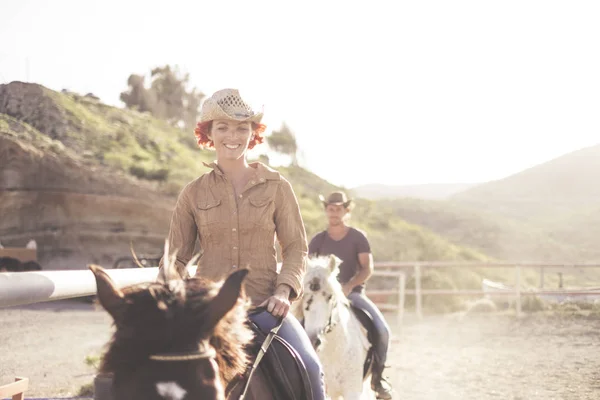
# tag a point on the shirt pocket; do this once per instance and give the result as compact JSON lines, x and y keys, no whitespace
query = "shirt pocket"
{"x":209,"y":213}
{"x":211,"y":225}
{"x":261,"y":212}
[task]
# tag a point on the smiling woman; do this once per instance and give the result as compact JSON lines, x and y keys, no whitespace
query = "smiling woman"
{"x":203,"y":131}
{"x":236,"y":211}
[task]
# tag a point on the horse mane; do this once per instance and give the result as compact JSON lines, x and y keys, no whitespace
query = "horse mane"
{"x":160,"y":318}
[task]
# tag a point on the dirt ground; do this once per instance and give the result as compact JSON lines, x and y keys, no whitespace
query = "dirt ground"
{"x":440,"y":357}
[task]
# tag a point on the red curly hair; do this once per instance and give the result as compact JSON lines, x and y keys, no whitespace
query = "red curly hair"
{"x":203,"y":128}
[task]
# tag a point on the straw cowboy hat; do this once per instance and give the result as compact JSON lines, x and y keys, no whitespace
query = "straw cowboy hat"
{"x":337,"y":198}
{"x":228,"y":104}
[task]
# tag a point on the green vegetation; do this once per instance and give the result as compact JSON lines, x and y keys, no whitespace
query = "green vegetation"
{"x":131,"y":142}
{"x":160,"y":155}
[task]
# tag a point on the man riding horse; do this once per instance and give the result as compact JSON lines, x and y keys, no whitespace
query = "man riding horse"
{"x":352,"y":247}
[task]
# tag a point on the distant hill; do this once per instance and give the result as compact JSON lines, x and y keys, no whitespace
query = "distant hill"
{"x":500,"y":237}
{"x":550,"y":212}
{"x":425,"y":191}
{"x":562,"y":185}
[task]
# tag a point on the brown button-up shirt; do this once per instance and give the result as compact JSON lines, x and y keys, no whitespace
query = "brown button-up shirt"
{"x":239,"y":233}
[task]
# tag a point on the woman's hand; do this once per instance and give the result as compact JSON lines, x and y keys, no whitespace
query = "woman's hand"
{"x":278,"y":304}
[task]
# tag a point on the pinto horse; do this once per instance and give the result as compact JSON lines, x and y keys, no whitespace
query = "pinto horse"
{"x":337,"y":334}
{"x":181,"y":339}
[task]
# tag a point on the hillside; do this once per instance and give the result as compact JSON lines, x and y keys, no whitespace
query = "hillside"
{"x":425,"y":191}
{"x":498,"y":236}
{"x":564,"y":184}
{"x":84,"y":178}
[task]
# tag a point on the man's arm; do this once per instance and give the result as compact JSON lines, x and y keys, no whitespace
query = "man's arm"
{"x":365,"y":270}
{"x":365,"y":263}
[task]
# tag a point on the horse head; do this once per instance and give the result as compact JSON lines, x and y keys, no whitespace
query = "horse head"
{"x":322,"y":295}
{"x":174,"y":336}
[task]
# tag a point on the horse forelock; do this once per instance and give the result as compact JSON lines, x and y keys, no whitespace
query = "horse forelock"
{"x":318,"y":269}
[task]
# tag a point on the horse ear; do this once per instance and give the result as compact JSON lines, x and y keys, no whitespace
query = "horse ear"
{"x":110,"y":297}
{"x":168,"y":272}
{"x":226,"y":298}
{"x":334,"y":262}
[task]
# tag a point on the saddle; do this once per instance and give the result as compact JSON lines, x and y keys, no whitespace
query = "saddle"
{"x":366,"y":319}
{"x":281,"y":370}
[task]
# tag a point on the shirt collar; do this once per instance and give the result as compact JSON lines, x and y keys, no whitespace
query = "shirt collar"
{"x":262,"y":171}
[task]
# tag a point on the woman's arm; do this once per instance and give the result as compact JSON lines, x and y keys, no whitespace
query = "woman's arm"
{"x":182,"y":234}
{"x":292,"y":238}
{"x":291,"y":235}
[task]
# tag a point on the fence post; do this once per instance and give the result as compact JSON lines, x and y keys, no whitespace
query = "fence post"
{"x":541,"y":277}
{"x":418,"y":302}
{"x":401,"y":287}
{"x":518,"y":289}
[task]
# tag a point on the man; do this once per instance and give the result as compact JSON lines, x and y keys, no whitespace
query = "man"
{"x":352,"y":247}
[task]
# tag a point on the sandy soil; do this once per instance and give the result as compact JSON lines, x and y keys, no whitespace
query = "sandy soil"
{"x":497,"y":357}
{"x":440,"y":357}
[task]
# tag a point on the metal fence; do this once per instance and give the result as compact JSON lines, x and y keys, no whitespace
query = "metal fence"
{"x":400,"y":270}
{"x":19,"y":288}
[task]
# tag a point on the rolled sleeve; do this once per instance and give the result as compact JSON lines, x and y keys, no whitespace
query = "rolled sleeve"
{"x":182,"y":233}
{"x":291,"y":235}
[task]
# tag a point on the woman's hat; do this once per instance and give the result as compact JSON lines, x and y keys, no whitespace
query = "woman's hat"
{"x":228,"y":104}
{"x":337,"y":198}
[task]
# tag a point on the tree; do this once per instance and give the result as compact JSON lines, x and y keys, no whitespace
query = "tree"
{"x":283,"y":141}
{"x":138,"y":97}
{"x":167,"y":98}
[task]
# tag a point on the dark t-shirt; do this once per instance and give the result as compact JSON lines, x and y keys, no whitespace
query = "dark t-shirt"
{"x":347,"y":249}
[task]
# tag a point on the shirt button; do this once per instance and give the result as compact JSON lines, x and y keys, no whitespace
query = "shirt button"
{"x":235,"y":247}
{"x":234,"y":267}
{"x":240,"y":196}
{"x":252,"y":182}
{"x":234,"y":229}
{"x":262,"y":179}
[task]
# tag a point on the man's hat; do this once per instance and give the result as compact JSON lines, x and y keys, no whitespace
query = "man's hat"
{"x":337,"y":198}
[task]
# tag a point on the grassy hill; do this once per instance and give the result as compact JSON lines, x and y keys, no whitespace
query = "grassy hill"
{"x":155,"y":157}
{"x":563,"y":185}
{"x":69,"y":142}
{"x":425,"y":191}
{"x":500,"y":237}
{"x":126,"y":141}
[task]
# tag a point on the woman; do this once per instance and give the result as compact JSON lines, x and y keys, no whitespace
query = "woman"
{"x":236,"y":211}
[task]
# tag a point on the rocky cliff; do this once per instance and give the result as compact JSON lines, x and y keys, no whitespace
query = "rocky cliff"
{"x":78,"y":210}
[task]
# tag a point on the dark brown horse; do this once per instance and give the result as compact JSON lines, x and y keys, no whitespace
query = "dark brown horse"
{"x":190,"y":339}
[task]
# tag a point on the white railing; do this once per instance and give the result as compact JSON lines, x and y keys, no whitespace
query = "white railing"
{"x":20,"y":288}
{"x":397,"y":269}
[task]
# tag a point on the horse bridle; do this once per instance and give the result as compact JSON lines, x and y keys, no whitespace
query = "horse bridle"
{"x":204,"y":351}
{"x":327,"y":328}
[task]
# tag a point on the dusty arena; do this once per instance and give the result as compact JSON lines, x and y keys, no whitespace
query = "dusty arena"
{"x":441,"y":357}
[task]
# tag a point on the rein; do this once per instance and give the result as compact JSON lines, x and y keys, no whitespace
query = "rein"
{"x":263,"y":349}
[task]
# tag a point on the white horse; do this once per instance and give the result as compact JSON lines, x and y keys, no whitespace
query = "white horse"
{"x":334,"y":330}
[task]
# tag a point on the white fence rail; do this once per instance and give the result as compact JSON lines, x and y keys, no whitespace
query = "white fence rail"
{"x":20,"y":288}
{"x":400,"y":269}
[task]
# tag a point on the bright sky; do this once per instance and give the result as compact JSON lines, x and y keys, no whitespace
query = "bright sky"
{"x":394,"y":92}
